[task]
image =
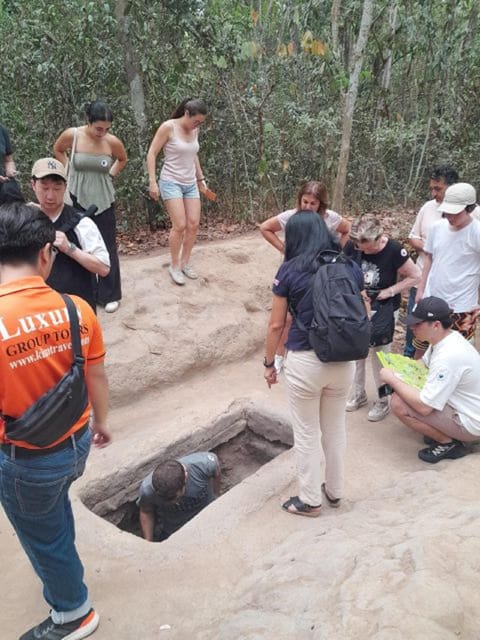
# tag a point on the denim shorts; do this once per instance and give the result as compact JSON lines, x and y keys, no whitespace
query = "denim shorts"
{"x":170,"y":190}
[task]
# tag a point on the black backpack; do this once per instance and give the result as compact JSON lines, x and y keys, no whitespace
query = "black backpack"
{"x":340,"y":329}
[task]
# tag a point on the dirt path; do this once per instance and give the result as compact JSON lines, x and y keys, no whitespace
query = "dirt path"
{"x":396,"y":562}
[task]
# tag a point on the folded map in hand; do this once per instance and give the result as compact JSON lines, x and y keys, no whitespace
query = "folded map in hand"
{"x":412,"y":372}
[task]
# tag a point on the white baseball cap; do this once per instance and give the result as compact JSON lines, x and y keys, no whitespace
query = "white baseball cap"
{"x":457,"y":197}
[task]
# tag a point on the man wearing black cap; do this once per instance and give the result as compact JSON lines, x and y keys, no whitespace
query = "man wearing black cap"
{"x":447,"y":409}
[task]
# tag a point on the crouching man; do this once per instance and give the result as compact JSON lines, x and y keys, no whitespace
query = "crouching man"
{"x":447,"y":409}
{"x":176,"y":491}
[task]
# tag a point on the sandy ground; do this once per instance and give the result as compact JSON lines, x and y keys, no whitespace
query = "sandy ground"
{"x":398,"y":561}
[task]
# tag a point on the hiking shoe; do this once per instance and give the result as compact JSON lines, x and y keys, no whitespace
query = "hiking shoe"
{"x":48,"y":630}
{"x":439,"y":451}
{"x":355,"y":401}
{"x":176,"y":275}
{"x":278,"y":364}
{"x":378,"y":411}
{"x":430,"y":441}
{"x":111,"y":307}
{"x":190,"y":272}
{"x":333,"y":502}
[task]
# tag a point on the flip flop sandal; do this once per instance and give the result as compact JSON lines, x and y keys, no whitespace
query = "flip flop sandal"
{"x":333,"y":502}
{"x":297,"y":507}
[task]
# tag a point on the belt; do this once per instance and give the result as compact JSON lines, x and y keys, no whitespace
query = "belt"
{"x":14,"y":451}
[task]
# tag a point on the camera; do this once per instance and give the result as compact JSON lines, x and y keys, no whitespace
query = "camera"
{"x":384,"y":390}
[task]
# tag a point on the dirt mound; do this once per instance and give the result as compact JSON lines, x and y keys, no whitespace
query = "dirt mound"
{"x":164,"y":332}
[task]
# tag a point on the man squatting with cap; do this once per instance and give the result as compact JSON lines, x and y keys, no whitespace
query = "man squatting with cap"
{"x":451,"y":269}
{"x":35,"y":352}
{"x":447,"y":409}
{"x":82,"y":252}
{"x":175,"y":492}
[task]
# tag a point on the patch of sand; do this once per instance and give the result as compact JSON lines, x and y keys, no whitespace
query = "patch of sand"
{"x":398,"y":560}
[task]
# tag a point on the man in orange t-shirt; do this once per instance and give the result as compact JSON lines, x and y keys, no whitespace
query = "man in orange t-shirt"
{"x":35,"y":352}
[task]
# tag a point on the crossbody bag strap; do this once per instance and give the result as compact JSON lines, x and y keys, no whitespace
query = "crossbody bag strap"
{"x":293,"y":313}
{"x":74,"y":147}
{"x":74,"y":330}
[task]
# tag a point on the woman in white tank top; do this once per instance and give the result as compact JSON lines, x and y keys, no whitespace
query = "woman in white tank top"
{"x":311,"y":197}
{"x":181,"y":178}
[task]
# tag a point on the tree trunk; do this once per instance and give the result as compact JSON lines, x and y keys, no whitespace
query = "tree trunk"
{"x":349,"y":105}
{"x":134,"y":75}
{"x":386,"y":72}
{"x":334,"y":15}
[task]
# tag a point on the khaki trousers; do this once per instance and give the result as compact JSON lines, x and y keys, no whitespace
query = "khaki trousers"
{"x":317,"y":394}
{"x":359,"y":380}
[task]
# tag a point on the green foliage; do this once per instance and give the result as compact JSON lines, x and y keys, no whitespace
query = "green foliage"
{"x":275,"y":83}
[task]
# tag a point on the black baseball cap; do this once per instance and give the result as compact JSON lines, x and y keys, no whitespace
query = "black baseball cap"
{"x":428,"y":310}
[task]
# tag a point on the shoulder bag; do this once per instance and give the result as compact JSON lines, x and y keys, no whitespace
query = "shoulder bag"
{"x":57,"y":410}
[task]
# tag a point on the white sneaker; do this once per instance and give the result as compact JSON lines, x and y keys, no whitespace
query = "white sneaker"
{"x":176,"y":275}
{"x":379,"y":410}
{"x":278,"y":364}
{"x":356,"y":400}
{"x":190,"y":272}
{"x":111,"y":307}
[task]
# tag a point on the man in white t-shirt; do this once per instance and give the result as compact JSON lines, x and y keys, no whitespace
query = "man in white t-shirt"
{"x":451,"y":268}
{"x":441,"y":178}
{"x":447,"y":409}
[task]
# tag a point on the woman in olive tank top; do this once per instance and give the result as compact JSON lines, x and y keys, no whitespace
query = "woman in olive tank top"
{"x":98,"y":157}
{"x":181,"y":179}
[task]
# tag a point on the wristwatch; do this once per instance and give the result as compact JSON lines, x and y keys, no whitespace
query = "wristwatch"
{"x":268,"y":365}
{"x":71,"y":248}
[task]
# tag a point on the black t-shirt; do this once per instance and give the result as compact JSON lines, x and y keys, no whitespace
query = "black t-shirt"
{"x":379,"y":269}
{"x":296,"y":286}
{"x":5,"y":148}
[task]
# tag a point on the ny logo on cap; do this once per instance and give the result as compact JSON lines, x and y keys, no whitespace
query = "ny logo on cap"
{"x":51,"y":164}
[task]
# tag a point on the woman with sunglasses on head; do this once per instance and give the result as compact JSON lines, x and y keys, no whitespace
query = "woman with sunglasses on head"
{"x":97,"y":157}
{"x":181,"y":181}
{"x":387,"y":271}
{"x":317,"y":391}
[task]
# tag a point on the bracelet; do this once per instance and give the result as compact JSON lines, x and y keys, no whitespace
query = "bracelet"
{"x":268,"y":365}
{"x":200,"y":179}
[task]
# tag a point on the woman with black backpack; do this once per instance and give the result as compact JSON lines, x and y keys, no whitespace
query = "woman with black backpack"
{"x":317,"y":391}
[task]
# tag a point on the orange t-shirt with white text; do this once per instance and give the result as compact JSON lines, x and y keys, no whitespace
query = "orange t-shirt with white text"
{"x":36,"y":347}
